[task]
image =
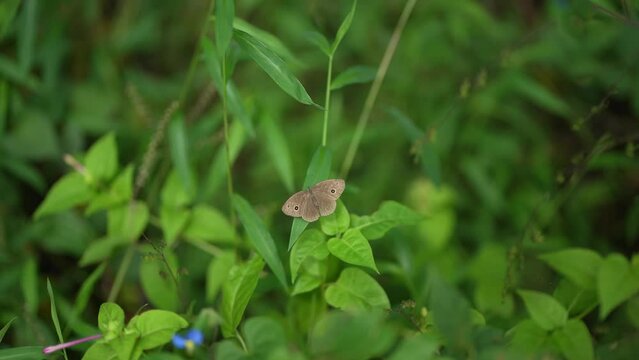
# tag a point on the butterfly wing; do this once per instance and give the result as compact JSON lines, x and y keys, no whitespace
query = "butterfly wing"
{"x":310,"y":210}
{"x":332,"y":188}
{"x":294,"y":205}
{"x":325,"y":204}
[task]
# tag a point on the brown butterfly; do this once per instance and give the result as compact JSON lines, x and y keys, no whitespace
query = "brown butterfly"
{"x":319,"y":200}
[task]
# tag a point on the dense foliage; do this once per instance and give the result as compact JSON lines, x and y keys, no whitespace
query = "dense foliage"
{"x":491,"y":207}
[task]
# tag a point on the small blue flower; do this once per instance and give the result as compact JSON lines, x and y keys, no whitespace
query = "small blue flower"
{"x":192,"y":339}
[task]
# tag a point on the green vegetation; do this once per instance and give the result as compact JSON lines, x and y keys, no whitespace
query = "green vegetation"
{"x":491,"y":208}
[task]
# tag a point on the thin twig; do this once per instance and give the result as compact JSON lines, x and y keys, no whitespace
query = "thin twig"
{"x":377,"y":84}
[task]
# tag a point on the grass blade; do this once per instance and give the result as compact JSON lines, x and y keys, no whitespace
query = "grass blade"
{"x":224,"y":14}
{"x":260,"y":237}
{"x":54,"y":317}
{"x":343,"y":28}
{"x":5,"y":328}
{"x":179,"y":151}
{"x":22,"y":353}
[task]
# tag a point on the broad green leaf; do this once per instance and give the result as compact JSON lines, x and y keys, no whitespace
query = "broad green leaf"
{"x":617,"y":281}
{"x":178,"y":144}
{"x":529,"y":338}
{"x":343,"y":28}
{"x":311,"y":276}
{"x":320,"y":41}
{"x":260,"y":238}
{"x":318,"y":170}
{"x":267,"y":38}
{"x":574,"y":341}
{"x":54,"y":317}
{"x":353,"y":75}
{"x":217,"y":273}
{"x":224,"y":15}
{"x":341,"y":335}
{"x":274,"y":66}
{"x":230,"y":350}
{"x":158,"y":276}
{"x":420,"y":346}
{"x":353,"y":248}
{"x":389,"y":215}
{"x":237,"y":292}
{"x":101,"y":249}
{"x":69,"y":191}
{"x":100,"y":351}
{"x":311,"y":244}
{"x":207,"y":223}
{"x":127,"y":221}
{"x":355,"y":289}
{"x":547,"y":312}
{"x":101,"y":160}
{"x":450,"y":311}
{"x":156,"y":327}
{"x":111,"y":320}
{"x":4,"y":329}
{"x":337,"y":222}
{"x":174,"y":193}
{"x":125,"y":345}
{"x":275,"y":143}
{"x":578,"y":265}
{"x":22,"y":353}
{"x":173,"y":221}
{"x":120,"y":192}
{"x":29,"y":285}
{"x":263,"y":335}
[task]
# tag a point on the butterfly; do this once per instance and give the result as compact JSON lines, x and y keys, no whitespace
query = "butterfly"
{"x":318,"y":200}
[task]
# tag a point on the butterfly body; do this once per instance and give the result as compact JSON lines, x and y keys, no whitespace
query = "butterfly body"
{"x":318,"y":200}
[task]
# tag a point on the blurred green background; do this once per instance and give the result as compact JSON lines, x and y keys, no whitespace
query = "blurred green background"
{"x":510,"y":125}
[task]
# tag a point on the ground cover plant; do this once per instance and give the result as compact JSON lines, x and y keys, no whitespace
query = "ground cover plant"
{"x":491,"y":207}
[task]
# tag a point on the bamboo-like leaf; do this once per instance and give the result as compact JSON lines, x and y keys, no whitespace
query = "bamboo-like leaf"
{"x":224,"y":15}
{"x":54,"y":317}
{"x":344,"y":27}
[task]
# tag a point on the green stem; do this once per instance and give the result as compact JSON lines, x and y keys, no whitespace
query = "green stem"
{"x":229,"y":176}
{"x":239,"y":338}
{"x":122,"y":270}
{"x":327,"y":102}
{"x":377,"y":84}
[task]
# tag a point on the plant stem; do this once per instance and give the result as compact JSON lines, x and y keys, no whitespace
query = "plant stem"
{"x":377,"y":84}
{"x":229,"y":176}
{"x":122,"y":270}
{"x":239,"y":338}
{"x":327,"y":101}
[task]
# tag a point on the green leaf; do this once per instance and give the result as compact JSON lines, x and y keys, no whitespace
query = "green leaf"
{"x":209,"y":224}
{"x":274,"y":66}
{"x":158,"y":272}
{"x":353,"y":75}
{"x":100,"y":351}
{"x":178,"y":144}
{"x":22,"y":169}
{"x":337,"y":222}
{"x":101,"y":160}
{"x":267,"y":38}
{"x":529,"y":338}
{"x":125,"y":345}
{"x":22,"y":353}
{"x":217,"y":171}
{"x":343,"y":28}
{"x":236,"y":106}
{"x":101,"y":249}
{"x":173,"y":221}
{"x":237,"y":292}
{"x":217,"y":273}
{"x":275,"y":143}
{"x":616,"y":283}
{"x":320,"y":41}
{"x":263,"y":335}
{"x":174,"y":193}
{"x":353,"y":248}
{"x":312,"y":275}
{"x":355,"y":289}
{"x":69,"y":191}
{"x":127,"y":221}
{"x":574,"y":341}
{"x":82,"y":299}
{"x":318,"y":170}
{"x":547,"y":312}
{"x":156,"y":327}
{"x":4,"y":329}
{"x":111,"y":320}
{"x":450,"y":311}
{"x":30,"y":285}
{"x":54,"y":317}
{"x":224,"y":15}
{"x":389,"y":215}
{"x":8,"y":10}
{"x":120,"y":192}
{"x":420,"y":346}
{"x":311,"y":245}
{"x":260,"y":238}
{"x":578,"y":265}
